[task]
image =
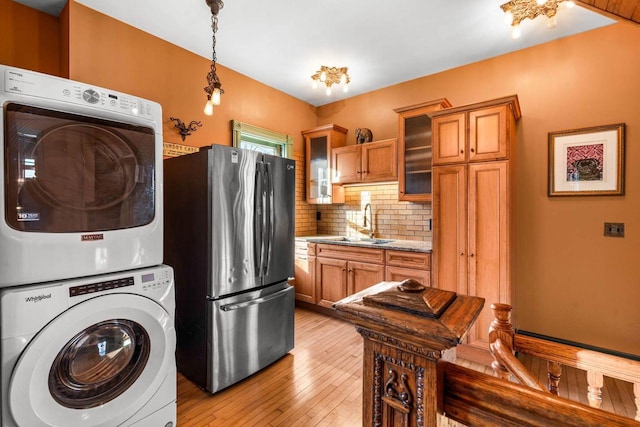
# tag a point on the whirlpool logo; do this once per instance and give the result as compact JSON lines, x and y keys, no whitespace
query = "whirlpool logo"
{"x":37,"y":298}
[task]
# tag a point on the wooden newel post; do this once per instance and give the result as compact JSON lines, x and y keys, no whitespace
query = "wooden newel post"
{"x":501,"y":329}
{"x":407,"y":329}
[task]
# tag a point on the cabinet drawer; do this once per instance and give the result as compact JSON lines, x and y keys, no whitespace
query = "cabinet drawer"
{"x":305,"y":248}
{"x":351,"y":253}
{"x":407,"y":259}
{"x":398,"y":274}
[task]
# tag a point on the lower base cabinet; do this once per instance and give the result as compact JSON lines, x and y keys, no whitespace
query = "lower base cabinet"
{"x":327,"y":273}
{"x":305,"y":272}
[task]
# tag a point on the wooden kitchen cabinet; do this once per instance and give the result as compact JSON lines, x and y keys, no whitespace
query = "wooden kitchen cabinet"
{"x":476,"y":135}
{"x":415,"y":150}
{"x":370,"y":162}
{"x":473,"y":205}
{"x":305,"y":268}
{"x":318,"y":145}
{"x":402,"y":265}
{"x":343,"y":270}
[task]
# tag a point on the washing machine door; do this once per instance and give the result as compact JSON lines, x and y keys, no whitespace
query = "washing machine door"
{"x":96,"y":364}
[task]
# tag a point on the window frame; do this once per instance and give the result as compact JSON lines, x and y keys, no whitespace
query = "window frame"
{"x":261,"y":136}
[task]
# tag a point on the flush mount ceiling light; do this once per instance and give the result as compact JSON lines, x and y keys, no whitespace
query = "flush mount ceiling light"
{"x":214,"y":87}
{"x":518,"y":10}
{"x":331,"y":76}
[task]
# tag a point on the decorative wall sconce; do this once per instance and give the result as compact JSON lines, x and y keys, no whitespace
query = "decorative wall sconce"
{"x":185,"y":130}
{"x":214,"y":87}
{"x":517,"y":11}
{"x":330,"y":76}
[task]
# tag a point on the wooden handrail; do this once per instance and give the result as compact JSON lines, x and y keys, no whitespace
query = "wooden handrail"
{"x":474,"y":398}
{"x":505,"y":357}
{"x":504,"y":340}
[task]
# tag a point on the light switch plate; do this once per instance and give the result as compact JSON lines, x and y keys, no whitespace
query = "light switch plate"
{"x":614,"y":229}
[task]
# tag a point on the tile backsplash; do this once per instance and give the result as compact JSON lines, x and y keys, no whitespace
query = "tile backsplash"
{"x":392,"y":219}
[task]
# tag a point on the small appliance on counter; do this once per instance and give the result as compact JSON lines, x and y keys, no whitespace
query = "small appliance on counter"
{"x":229,"y":235}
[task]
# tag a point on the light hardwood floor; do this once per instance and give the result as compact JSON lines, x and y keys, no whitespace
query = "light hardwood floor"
{"x":319,"y":383}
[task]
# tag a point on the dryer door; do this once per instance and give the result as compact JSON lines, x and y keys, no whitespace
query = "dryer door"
{"x":96,"y":364}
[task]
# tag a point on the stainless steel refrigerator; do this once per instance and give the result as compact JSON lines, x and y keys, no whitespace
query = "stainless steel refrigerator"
{"x":229,"y":236}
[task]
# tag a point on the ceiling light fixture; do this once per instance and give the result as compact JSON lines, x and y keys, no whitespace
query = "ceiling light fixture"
{"x":331,"y":76}
{"x":517,"y":11}
{"x":214,"y":87}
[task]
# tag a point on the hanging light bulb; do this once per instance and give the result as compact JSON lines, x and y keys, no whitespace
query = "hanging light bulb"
{"x":343,"y":79}
{"x":569,"y":3}
{"x":323,"y":76}
{"x":328,"y":90}
{"x":214,"y":87}
{"x":516,"y":32}
{"x":345,"y":88}
{"x":508,"y":17}
{"x":208,"y":108}
{"x":215,"y":96}
{"x":540,"y":2}
{"x":552,"y":22}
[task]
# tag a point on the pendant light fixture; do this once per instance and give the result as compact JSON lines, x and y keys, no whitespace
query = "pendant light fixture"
{"x":214,"y":87}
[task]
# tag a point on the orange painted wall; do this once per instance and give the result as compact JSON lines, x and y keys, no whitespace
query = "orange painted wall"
{"x":571,"y":282}
{"x":109,"y":53}
{"x":29,"y":39}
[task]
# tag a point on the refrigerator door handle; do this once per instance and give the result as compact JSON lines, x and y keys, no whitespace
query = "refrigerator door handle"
{"x":238,"y":306}
{"x":258,"y":222}
{"x":269,"y":215}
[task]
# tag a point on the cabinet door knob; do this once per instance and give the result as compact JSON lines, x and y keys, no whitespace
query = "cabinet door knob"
{"x":471,"y":255}
{"x":472,"y":150}
{"x":461,"y":253}
{"x":461,"y":151}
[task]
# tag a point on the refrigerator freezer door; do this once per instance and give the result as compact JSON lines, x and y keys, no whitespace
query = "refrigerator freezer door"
{"x":249,"y":332}
{"x":279,"y":210}
{"x":236,"y":232}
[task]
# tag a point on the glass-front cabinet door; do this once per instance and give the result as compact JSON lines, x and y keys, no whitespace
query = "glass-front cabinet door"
{"x":415,"y":150}
{"x":318,"y":144}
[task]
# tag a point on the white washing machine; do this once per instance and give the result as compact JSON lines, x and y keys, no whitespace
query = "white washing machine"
{"x":94,"y":351}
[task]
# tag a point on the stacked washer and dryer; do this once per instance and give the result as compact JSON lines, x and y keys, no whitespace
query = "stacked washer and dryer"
{"x":87,"y":332}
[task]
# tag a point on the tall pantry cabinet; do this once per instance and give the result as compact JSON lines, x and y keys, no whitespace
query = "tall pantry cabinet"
{"x":473,"y":204}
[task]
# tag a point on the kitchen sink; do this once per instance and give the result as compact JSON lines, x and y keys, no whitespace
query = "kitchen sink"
{"x":365,"y":240}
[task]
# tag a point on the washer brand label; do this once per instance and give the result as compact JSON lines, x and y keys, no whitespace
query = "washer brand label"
{"x":37,"y":298}
{"x":28,"y":216}
{"x":91,"y":237}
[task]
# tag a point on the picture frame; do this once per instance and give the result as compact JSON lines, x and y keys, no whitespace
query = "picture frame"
{"x":587,"y":162}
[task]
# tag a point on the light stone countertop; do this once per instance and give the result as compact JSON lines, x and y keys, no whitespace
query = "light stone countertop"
{"x":401,"y":245}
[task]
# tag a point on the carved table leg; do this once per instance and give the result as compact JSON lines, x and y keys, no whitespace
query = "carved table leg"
{"x":596,"y":382}
{"x":554,"y":371}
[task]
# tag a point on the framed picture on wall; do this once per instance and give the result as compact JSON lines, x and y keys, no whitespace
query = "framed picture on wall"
{"x":587,"y":162}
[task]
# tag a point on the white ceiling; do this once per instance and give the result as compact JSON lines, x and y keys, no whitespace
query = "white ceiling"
{"x":281,"y":43}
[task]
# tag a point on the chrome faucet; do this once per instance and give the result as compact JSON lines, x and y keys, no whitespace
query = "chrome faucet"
{"x":368,"y":205}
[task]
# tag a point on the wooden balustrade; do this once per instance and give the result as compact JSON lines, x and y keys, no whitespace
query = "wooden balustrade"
{"x":503,"y":340}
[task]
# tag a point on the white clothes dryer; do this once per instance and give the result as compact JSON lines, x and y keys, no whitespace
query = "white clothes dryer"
{"x":94,"y":351}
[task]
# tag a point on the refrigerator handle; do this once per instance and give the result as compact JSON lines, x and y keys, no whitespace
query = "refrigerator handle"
{"x":269,"y":215}
{"x":232,"y":307}
{"x":257,"y":221}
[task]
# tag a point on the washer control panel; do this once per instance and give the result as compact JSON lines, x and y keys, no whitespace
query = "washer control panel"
{"x":107,"y":285}
{"x":55,"y":88}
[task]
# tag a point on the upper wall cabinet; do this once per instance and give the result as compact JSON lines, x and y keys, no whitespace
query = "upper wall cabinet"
{"x":318,"y":145}
{"x":414,"y":150}
{"x":488,"y":127}
{"x":361,"y":163}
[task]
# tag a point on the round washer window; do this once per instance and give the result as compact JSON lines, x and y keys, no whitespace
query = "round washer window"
{"x":84,"y":167}
{"x":99,"y":364}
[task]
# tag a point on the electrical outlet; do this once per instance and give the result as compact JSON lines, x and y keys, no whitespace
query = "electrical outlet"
{"x":614,"y":229}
